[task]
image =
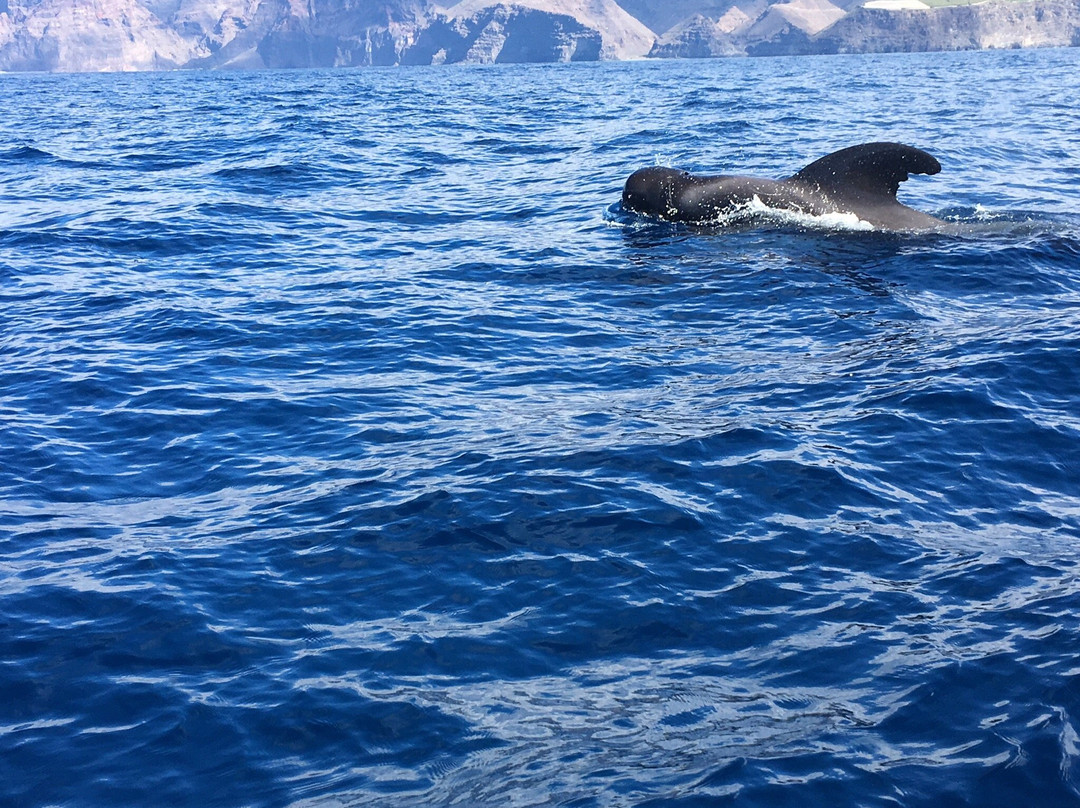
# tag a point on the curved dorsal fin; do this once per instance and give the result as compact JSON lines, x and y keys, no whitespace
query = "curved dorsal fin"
{"x":875,"y":168}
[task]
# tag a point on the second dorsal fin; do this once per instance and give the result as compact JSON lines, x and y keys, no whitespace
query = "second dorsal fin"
{"x":874,"y":168}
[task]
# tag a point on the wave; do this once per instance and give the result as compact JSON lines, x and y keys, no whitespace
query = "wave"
{"x":971,"y":222}
{"x":26,"y":154}
{"x":276,"y":171}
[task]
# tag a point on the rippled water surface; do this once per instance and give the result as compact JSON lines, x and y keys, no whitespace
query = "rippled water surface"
{"x":357,"y":449}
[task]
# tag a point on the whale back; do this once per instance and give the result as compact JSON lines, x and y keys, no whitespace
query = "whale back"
{"x":862,"y":180}
{"x":870,"y":169}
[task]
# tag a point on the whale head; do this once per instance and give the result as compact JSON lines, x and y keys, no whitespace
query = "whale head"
{"x":653,"y":191}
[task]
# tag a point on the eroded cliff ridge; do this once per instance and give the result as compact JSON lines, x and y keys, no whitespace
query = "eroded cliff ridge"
{"x":94,"y":35}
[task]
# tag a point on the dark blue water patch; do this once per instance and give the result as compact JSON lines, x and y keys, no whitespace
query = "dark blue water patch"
{"x":239,"y":211}
{"x":422,"y":172}
{"x":157,"y":162}
{"x":531,"y":149}
{"x":424,"y":217}
{"x":925,"y":717}
{"x":238,"y":744}
{"x":490,"y":141}
{"x":275,"y":178}
{"x":429,"y":157}
{"x":125,"y":237}
{"x":654,"y":137}
{"x":419,"y":218}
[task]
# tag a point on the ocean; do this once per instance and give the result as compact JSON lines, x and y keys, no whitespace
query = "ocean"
{"x":357,"y":448}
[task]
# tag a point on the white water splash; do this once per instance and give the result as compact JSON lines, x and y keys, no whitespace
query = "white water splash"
{"x":757,"y":209}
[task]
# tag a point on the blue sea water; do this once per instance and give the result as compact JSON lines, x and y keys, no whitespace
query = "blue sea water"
{"x":357,"y":449}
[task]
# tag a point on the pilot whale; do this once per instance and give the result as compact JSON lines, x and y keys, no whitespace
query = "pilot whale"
{"x":860,"y":180}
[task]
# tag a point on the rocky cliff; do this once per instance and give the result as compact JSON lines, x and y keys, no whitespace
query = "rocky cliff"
{"x":821,"y":26}
{"x":79,"y":35}
{"x":504,"y":34}
{"x":998,"y":24}
{"x":310,"y":33}
{"x":621,"y":35}
{"x":91,"y":35}
{"x":70,"y":35}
